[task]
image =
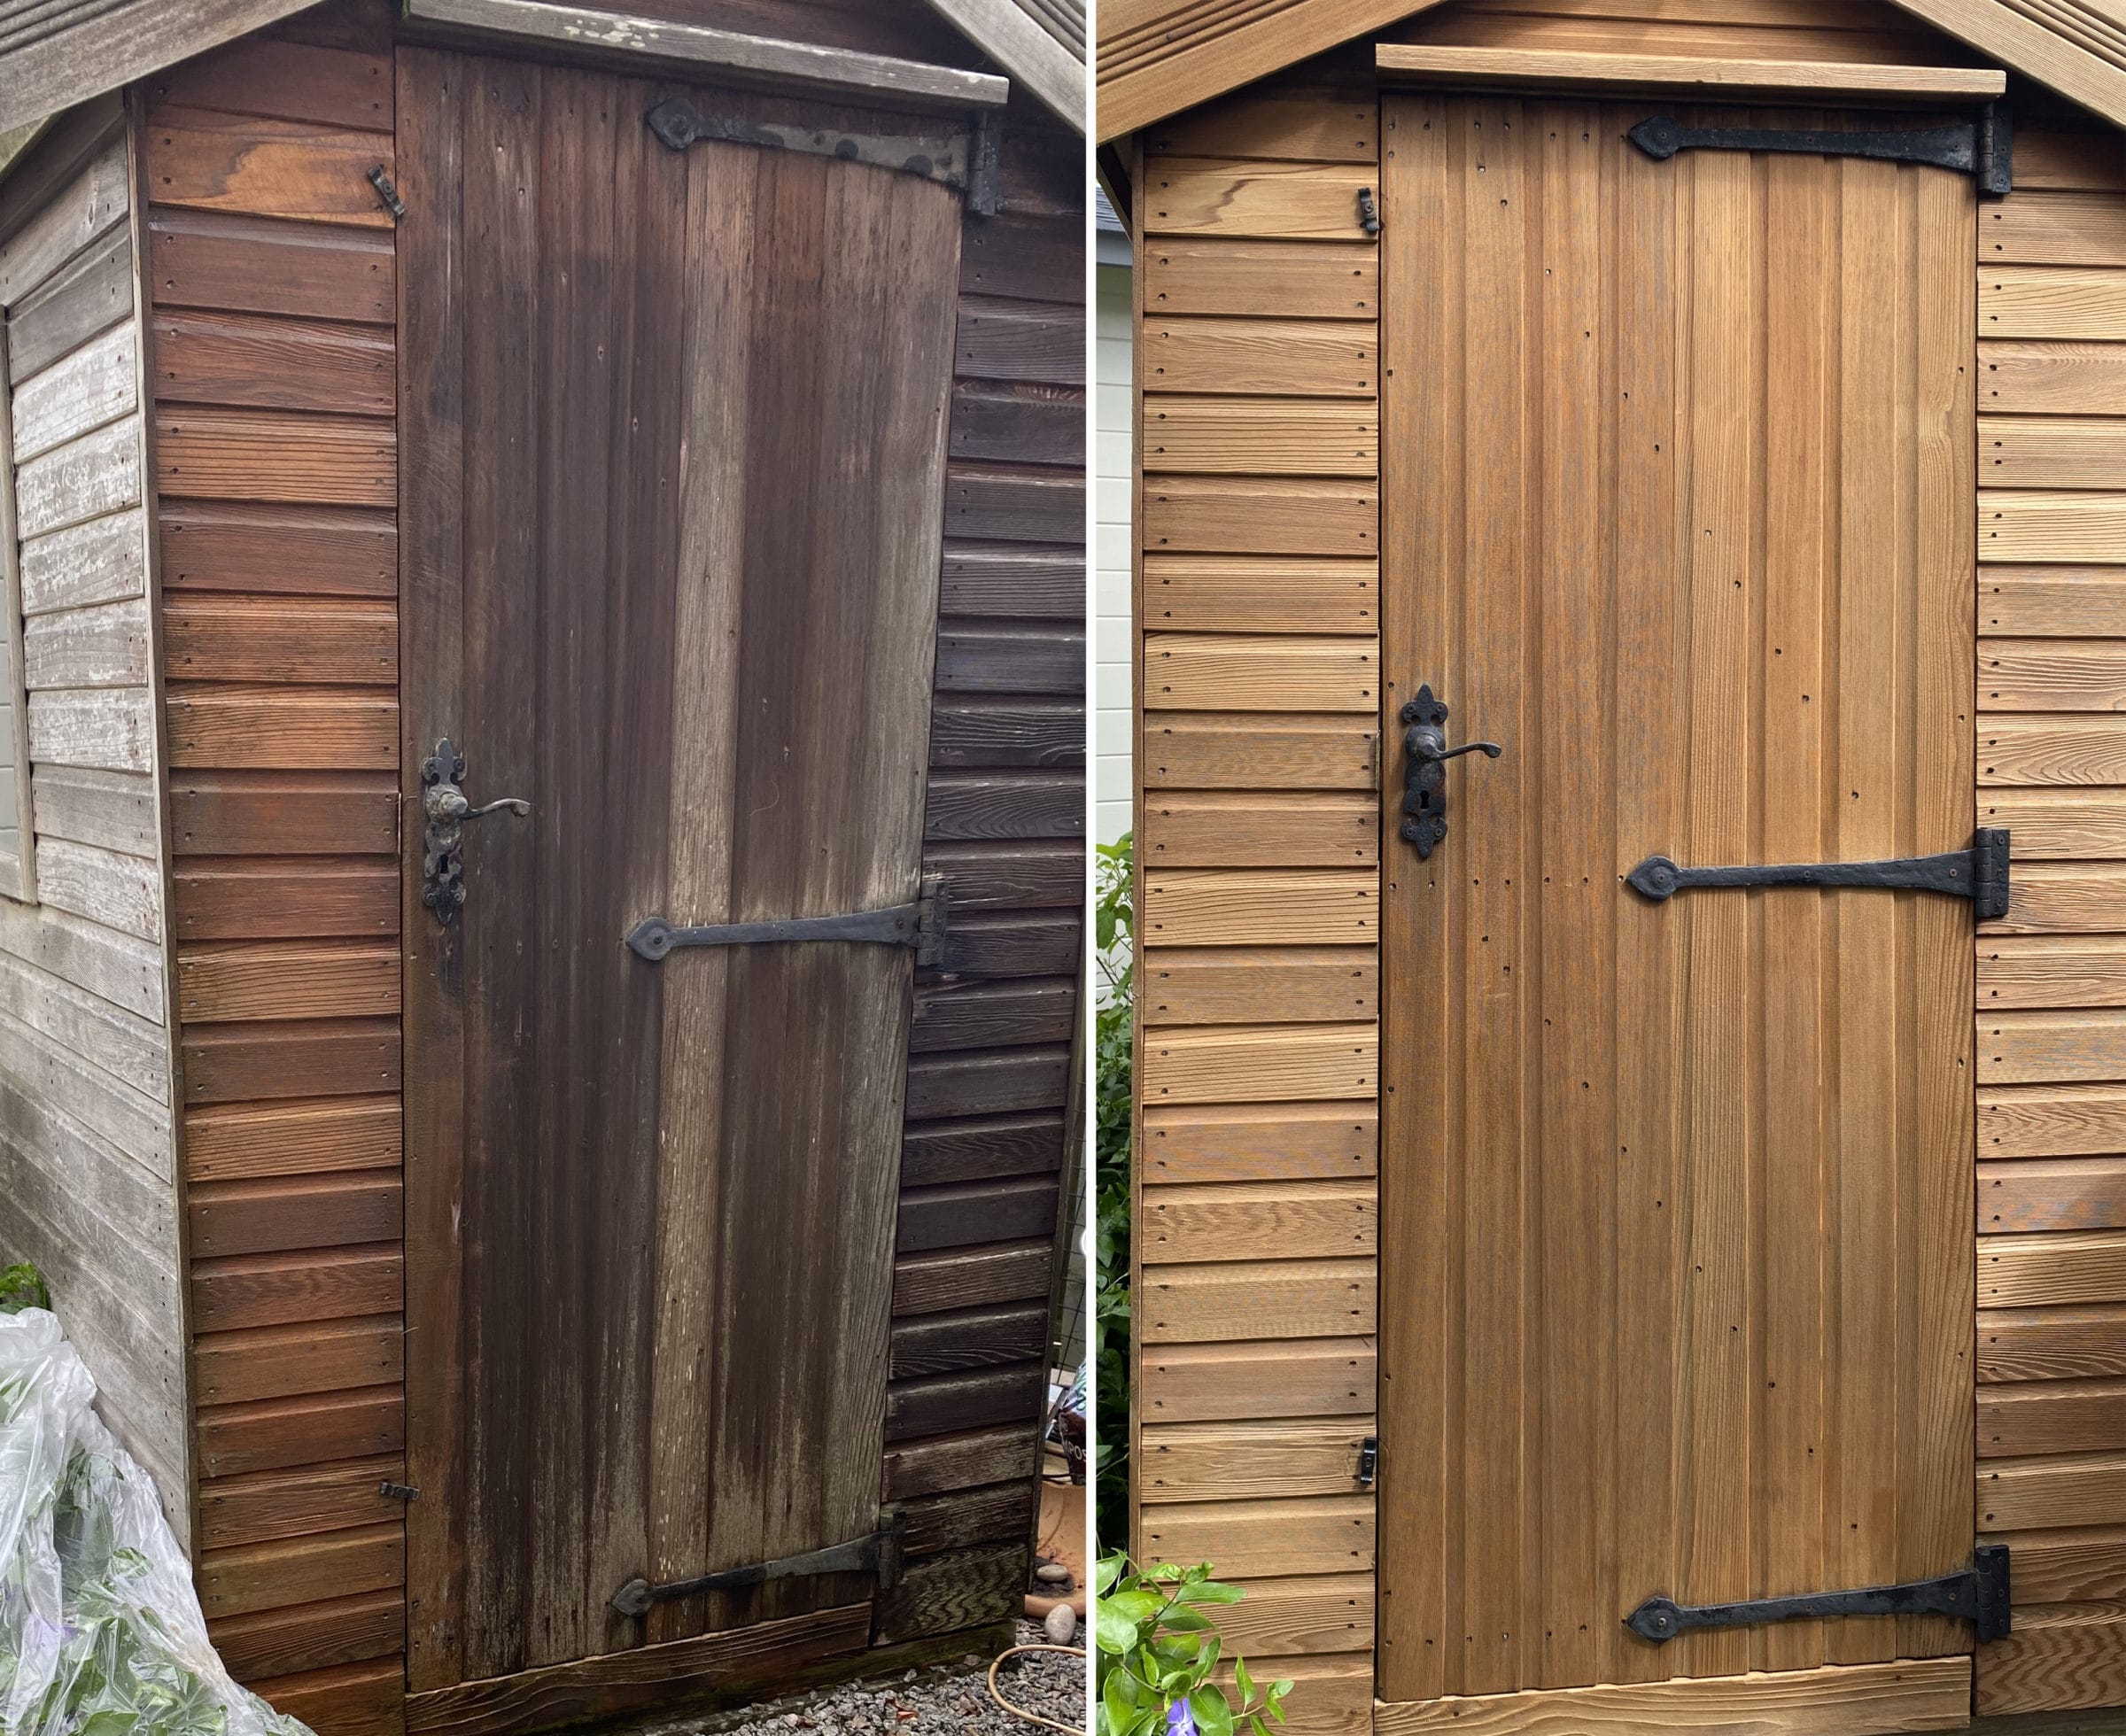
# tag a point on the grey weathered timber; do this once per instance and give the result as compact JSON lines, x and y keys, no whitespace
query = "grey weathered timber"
{"x":88,"y":1147}
{"x":1013,"y":34}
{"x":839,"y":72}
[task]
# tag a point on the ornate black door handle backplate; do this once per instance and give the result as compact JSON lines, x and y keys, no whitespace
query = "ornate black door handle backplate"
{"x":1425,"y":773}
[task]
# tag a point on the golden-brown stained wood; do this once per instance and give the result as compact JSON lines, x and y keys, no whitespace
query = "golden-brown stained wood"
{"x":1244,"y":594}
{"x":2035,"y":1048}
{"x":2064,"y":1657}
{"x":1272,"y":1299}
{"x":2054,"y":601}
{"x":2051,"y":525}
{"x":2054,"y":228}
{"x":1229,"y":672}
{"x":1245,"y":985}
{"x":1200,"y":829}
{"x":1296,"y":358}
{"x":1232,"y":1461}
{"x":2054,"y":1122}
{"x":2051,"y":301}
{"x":1262,"y":436}
{"x":2051,"y":1416}
{"x":2065,"y":1491}
{"x":2067,"y":1194}
{"x":2049,"y":1271}
{"x":2052,"y":379}
{"x":1242,"y":907}
{"x":2064,"y":827}
{"x":1325,"y":1534}
{"x":1186,"y":514}
{"x":1254,"y":200}
{"x":1294,"y":280}
{"x":2051,"y":452}
{"x":2075,"y":161}
{"x":1229,"y":752}
{"x":1263,"y":1063}
{"x":1282,"y":121}
{"x":2064,"y":898}
{"x":1261,"y":1141}
{"x":1856,"y":1701}
{"x":1292,"y":1378}
{"x":1702,"y":75}
{"x":2052,"y":750}
{"x":2052,"y":1344}
{"x":2048,"y":971}
{"x":1258,"y":1220}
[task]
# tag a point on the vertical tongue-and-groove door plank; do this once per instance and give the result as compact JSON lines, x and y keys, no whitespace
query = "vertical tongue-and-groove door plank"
{"x":1676,"y":1197}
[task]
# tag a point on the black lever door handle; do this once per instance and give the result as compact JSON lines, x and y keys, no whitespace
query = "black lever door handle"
{"x":1424,"y":777}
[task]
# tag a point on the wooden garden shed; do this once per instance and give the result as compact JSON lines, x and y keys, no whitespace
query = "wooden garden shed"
{"x":496,"y":495}
{"x":1574,"y":1215}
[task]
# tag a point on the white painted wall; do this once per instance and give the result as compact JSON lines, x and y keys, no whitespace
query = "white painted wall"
{"x":1111,"y":735}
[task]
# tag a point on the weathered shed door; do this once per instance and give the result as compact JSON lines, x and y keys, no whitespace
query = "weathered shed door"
{"x":675,"y":436}
{"x":1677,"y":1216}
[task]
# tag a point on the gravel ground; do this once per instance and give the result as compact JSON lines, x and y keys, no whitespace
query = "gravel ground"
{"x":952,"y":1697}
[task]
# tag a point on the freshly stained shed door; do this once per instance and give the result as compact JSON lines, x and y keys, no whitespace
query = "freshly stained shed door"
{"x":1677,"y":1197}
{"x":674,"y":430}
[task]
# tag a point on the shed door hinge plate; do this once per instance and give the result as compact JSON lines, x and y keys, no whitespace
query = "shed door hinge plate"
{"x":920,"y":925}
{"x":1977,"y":1594}
{"x":963,"y":158}
{"x":879,"y":1553}
{"x":1984,"y":148}
{"x":1980,"y":873}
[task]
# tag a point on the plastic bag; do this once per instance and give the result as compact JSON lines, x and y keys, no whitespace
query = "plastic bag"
{"x":100,"y":1630}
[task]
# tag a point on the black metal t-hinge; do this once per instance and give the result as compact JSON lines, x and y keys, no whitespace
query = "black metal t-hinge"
{"x":1983,"y":149}
{"x":1980,"y":873}
{"x":1977,"y":1594}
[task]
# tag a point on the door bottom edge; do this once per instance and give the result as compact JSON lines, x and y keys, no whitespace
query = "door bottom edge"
{"x":1834,"y":1700}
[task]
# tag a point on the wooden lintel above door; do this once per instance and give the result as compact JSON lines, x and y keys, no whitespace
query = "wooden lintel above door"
{"x":646,"y":44}
{"x":1541,"y":69}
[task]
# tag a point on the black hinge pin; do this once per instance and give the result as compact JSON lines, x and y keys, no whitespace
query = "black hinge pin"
{"x":1368,"y":210}
{"x":1368,"y":1462}
{"x":398,"y":1492}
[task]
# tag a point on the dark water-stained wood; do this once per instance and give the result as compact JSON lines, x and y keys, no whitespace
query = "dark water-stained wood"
{"x":671,"y":1358}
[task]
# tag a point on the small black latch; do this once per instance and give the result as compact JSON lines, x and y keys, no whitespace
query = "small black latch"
{"x":387,"y":193}
{"x":398,"y":1492}
{"x":1369,"y":212}
{"x":1368,"y":1460}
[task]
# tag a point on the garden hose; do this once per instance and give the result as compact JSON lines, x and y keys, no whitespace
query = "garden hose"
{"x":1020,"y":1711}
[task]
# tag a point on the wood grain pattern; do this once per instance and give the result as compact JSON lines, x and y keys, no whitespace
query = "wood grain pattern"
{"x":2069,"y":1656}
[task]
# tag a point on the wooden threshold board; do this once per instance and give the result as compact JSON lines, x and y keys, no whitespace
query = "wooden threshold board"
{"x":1553,"y":69}
{"x":1856,"y":1700}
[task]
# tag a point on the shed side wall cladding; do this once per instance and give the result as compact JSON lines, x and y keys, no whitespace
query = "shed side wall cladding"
{"x":1258,"y":852}
{"x":990,"y":1048}
{"x":271,"y":267}
{"x":2052,"y":977}
{"x":88,"y":1186}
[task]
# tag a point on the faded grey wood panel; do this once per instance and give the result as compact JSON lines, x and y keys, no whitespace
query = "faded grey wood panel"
{"x":88,"y":1186}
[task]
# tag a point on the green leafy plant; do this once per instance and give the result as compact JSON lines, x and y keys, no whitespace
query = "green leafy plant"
{"x":23,"y":1286}
{"x":1158,"y":1649}
{"x":1114,"y":1032}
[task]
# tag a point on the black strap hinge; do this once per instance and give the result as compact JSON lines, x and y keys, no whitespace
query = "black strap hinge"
{"x":920,"y":925}
{"x":879,"y":1553}
{"x":1980,"y":873}
{"x":963,"y":159}
{"x":1984,"y":148}
{"x":1978,"y":1594}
